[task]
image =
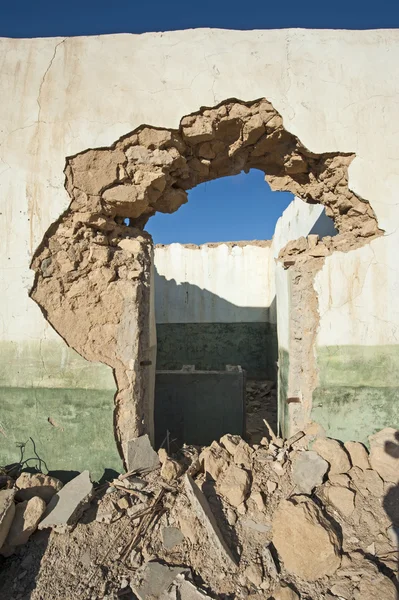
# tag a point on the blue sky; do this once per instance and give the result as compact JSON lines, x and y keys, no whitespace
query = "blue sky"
{"x":241,"y":207}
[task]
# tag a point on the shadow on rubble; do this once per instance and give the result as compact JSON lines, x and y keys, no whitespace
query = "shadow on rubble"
{"x":391,"y":505}
{"x":19,"y":572}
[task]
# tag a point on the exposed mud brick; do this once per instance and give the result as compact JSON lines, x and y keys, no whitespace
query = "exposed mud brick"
{"x":36,"y":484}
{"x":333,"y":453}
{"x":305,"y":540}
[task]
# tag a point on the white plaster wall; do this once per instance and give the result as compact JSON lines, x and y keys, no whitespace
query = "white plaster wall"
{"x":213,"y":284}
{"x":336,"y":90}
{"x":358,"y":295}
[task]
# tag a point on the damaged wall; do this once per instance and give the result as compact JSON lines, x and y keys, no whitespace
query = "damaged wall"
{"x":215,"y":305}
{"x":335,"y":90}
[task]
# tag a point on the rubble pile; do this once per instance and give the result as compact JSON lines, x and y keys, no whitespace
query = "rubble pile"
{"x":306,"y":518}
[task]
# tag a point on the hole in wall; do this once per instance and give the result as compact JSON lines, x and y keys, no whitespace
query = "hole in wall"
{"x":92,"y":277}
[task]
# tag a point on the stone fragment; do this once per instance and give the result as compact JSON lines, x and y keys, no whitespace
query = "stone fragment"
{"x":231,"y":517}
{"x":206,"y":517}
{"x":308,"y":471}
{"x":358,"y":455}
{"x":171,"y":470}
{"x":333,"y":453}
{"x":367,"y":482}
{"x":254,"y":575}
{"x":384,"y":454}
{"x":284,"y":592}
{"x":302,"y":526}
{"x":340,"y":498}
{"x":268,"y":562}
{"x":373,"y":588}
{"x":140,"y":455}
{"x":182,"y":589}
{"x":257,"y":498}
{"x":123,"y":503}
{"x":25,"y":522}
{"x":171,"y":537}
{"x":243,"y":455}
{"x":215,"y":460}
{"x":200,"y":130}
{"x":36,"y":484}
{"x":339,"y":479}
{"x":230,"y":442}
{"x":155,"y":578}
{"x":234,"y":484}
{"x":7,"y":512}
{"x":271,"y":486}
{"x":259,"y":527}
{"x":68,"y":504}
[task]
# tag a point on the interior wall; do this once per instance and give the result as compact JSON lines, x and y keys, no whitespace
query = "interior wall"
{"x":336,"y":90}
{"x":215,"y":305}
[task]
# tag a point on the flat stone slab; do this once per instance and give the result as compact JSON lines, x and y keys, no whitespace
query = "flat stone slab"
{"x":68,"y":504}
{"x":7,"y":512}
{"x":308,"y":471}
{"x":182,"y":589}
{"x":156,"y":579}
{"x":140,"y":455}
{"x":171,"y":537}
{"x":206,"y":517}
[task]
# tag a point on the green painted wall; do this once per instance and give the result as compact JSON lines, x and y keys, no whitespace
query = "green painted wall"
{"x":64,"y":403}
{"x":358,"y":390}
{"x":210,"y":346}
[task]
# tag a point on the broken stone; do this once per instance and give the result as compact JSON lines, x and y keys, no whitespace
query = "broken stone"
{"x":333,"y":453}
{"x":66,"y":507}
{"x":7,"y":512}
{"x":231,"y":517}
{"x":258,"y":499}
{"x":271,"y":486}
{"x":182,"y":589}
{"x":358,"y":455}
{"x":206,"y":517}
{"x":25,"y":522}
{"x":254,"y":575}
{"x":259,"y":527}
{"x":155,"y":578}
{"x":268,"y":562}
{"x":284,"y":592}
{"x":230,"y":442}
{"x":123,"y":503}
{"x":140,"y":455}
{"x":243,"y":455}
{"x":171,"y":469}
{"x":134,"y":510}
{"x":215,"y":459}
{"x":308,"y":471}
{"x":302,"y":525}
{"x":367,"y":482}
{"x":171,"y":537}
{"x":339,"y":479}
{"x":234,"y":484}
{"x":340,"y":498}
{"x":36,"y":484}
{"x":384,"y":454}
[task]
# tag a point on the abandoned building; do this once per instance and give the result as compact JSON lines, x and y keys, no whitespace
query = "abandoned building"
{"x":107,"y":338}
